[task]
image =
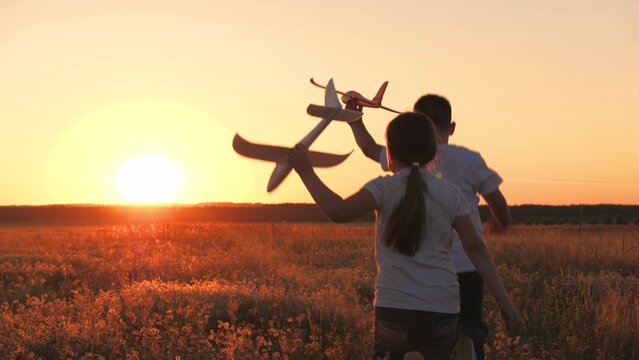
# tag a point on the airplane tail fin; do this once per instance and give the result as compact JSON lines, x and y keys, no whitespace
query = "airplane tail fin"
{"x":380,"y":94}
{"x":330,"y":96}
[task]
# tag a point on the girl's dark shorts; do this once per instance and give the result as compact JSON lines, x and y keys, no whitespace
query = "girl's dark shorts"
{"x":398,"y":331}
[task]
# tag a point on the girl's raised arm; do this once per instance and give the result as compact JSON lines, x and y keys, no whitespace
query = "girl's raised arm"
{"x":336,"y":208}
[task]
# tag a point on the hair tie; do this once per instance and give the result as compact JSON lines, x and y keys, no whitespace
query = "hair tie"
{"x":416,"y":164}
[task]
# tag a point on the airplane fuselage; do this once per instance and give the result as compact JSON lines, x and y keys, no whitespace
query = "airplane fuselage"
{"x":283,"y":168}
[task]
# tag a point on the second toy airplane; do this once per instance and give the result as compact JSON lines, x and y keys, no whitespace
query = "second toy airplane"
{"x":332,"y":110}
{"x":360,"y":100}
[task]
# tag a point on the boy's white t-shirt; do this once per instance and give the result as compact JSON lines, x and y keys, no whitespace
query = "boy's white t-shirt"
{"x":468,"y":170}
{"x":427,"y":280}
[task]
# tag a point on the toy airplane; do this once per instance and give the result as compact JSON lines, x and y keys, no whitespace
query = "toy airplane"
{"x":332,"y":110}
{"x":361,"y":100}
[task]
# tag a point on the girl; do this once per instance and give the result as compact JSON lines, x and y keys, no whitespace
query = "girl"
{"x":416,"y":290}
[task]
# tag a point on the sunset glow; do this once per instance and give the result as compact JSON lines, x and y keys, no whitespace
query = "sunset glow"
{"x":84,"y":160}
{"x":149,"y":179}
{"x":534,"y":89}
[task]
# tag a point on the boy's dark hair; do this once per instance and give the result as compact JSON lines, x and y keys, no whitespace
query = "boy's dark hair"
{"x":437,"y":108}
{"x":410,"y":138}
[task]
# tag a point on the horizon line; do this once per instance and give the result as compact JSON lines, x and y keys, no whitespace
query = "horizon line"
{"x":213,"y":203}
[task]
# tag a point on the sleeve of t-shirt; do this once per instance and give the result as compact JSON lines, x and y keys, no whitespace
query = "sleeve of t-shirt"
{"x":376,"y":188}
{"x":486,"y":179}
{"x":383,"y":161}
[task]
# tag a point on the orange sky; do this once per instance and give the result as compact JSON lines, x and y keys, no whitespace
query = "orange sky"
{"x":547,"y":91}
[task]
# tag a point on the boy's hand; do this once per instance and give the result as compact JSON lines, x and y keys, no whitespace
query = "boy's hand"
{"x":351,"y":102}
{"x":513,"y":321}
{"x":298,"y":158}
{"x":494,"y":227}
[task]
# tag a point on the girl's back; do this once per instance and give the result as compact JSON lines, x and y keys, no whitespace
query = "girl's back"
{"x":427,"y":280}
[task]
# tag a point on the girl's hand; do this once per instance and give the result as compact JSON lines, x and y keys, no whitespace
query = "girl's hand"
{"x":298,"y":158}
{"x":513,"y":321}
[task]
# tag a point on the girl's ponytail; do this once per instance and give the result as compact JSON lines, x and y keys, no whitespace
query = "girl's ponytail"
{"x":410,"y":138}
{"x":404,"y":227}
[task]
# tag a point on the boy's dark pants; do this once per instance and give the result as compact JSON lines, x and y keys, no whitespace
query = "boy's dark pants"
{"x":471,"y":293}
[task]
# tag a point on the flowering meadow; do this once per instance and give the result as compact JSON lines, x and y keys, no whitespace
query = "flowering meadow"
{"x":289,"y":291}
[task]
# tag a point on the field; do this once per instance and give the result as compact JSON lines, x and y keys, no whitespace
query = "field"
{"x":289,"y":291}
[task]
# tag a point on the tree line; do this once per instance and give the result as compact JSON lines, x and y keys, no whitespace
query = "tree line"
{"x":289,"y":212}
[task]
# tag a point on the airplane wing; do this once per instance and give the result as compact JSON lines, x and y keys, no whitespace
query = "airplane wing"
{"x":259,"y":151}
{"x":278,"y":153}
{"x":342,"y":115}
{"x":319,"y":159}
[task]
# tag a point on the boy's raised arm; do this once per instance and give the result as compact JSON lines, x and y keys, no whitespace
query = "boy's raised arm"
{"x":363,"y":138}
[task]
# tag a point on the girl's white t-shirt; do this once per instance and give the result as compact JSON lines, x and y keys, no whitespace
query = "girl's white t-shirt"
{"x":468,"y":170}
{"x":427,"y":280}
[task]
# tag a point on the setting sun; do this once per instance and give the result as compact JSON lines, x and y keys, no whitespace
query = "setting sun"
{"x":149,"y":179}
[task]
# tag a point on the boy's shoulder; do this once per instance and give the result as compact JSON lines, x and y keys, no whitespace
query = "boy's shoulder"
{"x":458,"y":153}
{"x":466,"y":168}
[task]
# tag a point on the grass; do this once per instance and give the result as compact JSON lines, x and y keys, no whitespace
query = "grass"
{"x":289,"y":291}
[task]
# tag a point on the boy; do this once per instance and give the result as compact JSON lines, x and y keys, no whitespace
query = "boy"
{"x":468,"y":170}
